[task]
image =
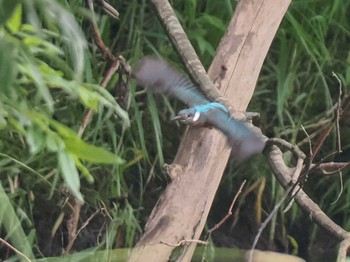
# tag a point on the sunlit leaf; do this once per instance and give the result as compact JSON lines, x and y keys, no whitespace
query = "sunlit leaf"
{"x":91,"y":153}
{"x":84,"y":171}
{"x":32,"y":72}
{"x":69,"y":172}
{"x":89,"y":99}
{"x":35,"y":139}
{"x":54,"y":143}
{"x":6,"y":9}
{"x":15,"y":21}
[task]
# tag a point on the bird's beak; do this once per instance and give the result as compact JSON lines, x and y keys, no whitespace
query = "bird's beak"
{"x":177,"y":118}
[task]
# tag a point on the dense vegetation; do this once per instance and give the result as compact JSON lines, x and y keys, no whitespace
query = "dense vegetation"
{"x":51,"y":71}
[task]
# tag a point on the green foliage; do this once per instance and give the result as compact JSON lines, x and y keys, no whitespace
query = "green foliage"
{"x":42,"y":86}
{"x":9,"y":219}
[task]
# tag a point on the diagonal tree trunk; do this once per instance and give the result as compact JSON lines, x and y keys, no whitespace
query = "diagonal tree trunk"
{"x":182,"y":210}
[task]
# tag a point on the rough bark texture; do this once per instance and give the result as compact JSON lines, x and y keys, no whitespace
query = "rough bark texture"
{"x":182,"y":210}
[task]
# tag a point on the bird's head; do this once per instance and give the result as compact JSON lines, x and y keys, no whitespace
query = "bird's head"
{"x":199,"y":115}
{"x":189,"y":116}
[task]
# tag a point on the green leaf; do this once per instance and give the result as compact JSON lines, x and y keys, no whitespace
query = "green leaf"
{"x":54,"y":143}
{"x":89,"y":99}
{"x":8,"y":68}
{"x":31,"y":71}
{"x":11,"y":224}
{"x":70,"y":174}
{"x":91,"y":153}
{"x":74,"y":144}
{"x":35,"y":139}
{"x":82,"y":150}
{"x":84,"y":170}
{"x":156,"y":126}
{"x":15,"y":21}
{"x":6,"y":9}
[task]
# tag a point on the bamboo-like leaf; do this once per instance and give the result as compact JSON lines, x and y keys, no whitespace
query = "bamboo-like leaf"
{"x":91,"y":153}
{"x":8,"y":68}
{"x":10,"y":222}
{"x":70,"y":173}
{"x":85,"y":172}
{"x":15,"y":21}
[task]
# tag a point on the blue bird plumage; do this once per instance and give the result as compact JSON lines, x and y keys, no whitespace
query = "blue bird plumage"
{"x":159,"y":77}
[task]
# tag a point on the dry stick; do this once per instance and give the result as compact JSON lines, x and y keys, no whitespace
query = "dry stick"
{"x":256,"y":184}
{"x":338,"y":166}
{"x":96,"y":33}
{"x":185,"y":241}
{"x":111,"y":70}
{"x":72,"y":223}
{"x":4,"y":242}
{"x":88,"y":221}
{"x":229,"y":213}
{"x":108,"y":8}
{"x":338,"y":114}
{"x":107,"y":77}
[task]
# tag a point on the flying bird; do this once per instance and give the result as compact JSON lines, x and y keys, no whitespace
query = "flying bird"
{"x":160,"y":77}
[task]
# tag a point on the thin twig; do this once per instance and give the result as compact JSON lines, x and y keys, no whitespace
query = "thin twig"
{"x":72,"y":224}
{"x":88,"y":221}
{"x":96,"y":33}
{"x":185,"y":241}
{"x":338,"y":114}
{"x":110,"y":10}
{"x":229,"y":213}
{"x":281,"y":143}
{"x":275,"y":209}
{"x":14,"y":249}
{"x":107,"y":77}
{"x":336,"y":166}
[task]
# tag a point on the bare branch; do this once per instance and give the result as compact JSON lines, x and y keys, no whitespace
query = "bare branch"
{"x":185,"y":241}
{"x":4,"y":242}
{"x":284,"y":176}
{"x":229,"y":213}
{"x":343,"y":249}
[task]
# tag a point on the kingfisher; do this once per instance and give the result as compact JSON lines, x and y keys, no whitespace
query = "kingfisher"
{"x":160,"y":77}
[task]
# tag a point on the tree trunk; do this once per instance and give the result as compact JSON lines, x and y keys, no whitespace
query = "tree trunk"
{"x":182,"y":210}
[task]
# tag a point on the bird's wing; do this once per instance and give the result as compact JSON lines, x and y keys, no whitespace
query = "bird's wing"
{"x":244,"y":142}
{"x":160,"y":77}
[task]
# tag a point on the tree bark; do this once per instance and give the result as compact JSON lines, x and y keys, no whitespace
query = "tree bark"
{"x":182,"y":210}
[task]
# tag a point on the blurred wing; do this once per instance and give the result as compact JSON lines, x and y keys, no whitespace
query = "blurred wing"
{"x":161,"y":78}
{"x":244,"y":142}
